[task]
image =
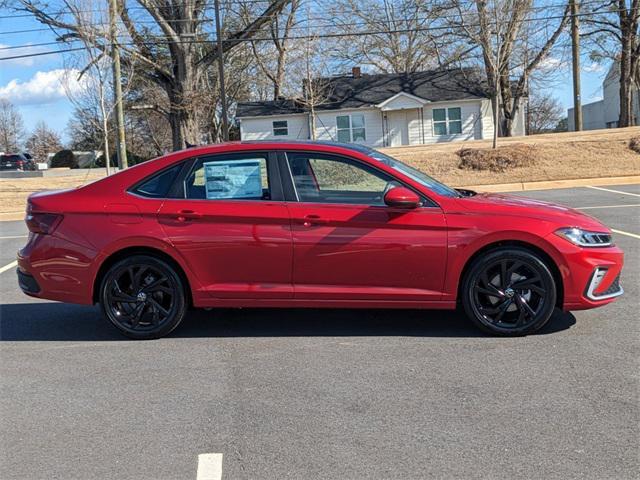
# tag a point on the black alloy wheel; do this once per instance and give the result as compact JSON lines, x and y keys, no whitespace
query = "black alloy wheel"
{"x":143,"y":297}
{"x":509,"y":291}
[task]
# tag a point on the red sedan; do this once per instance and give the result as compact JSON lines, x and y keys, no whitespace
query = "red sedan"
{"x":308,"y":225}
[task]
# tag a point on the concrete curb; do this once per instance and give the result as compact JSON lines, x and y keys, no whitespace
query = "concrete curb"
{"x":499,"y":187}
{"x":552,"y":184}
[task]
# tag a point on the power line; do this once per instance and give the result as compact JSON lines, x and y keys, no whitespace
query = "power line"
{"x":134,"y":7}
{"x":259,"y":39}
{"x":246,"y":2}
{"x":331,"y":19}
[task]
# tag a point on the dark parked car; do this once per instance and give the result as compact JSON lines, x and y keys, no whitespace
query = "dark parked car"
{"x":15,"y":161}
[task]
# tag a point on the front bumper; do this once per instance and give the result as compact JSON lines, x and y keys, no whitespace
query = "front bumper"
{"x":614,"y":290}
{"x":590,"y":276}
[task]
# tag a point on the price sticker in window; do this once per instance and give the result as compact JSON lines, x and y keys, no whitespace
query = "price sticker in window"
{"x":233,"y":179}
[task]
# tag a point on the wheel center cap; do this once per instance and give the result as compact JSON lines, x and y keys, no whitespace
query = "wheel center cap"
{"x":509,"y":293}
{"x":142,"y":297}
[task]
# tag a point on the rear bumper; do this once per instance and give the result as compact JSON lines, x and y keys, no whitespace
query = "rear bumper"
{"x":55,"y":269}
{"x":27,"y":283}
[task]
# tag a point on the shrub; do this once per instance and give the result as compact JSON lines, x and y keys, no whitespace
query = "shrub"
{"x":64,"y":158}
{"x":132,"y":159}
{"x":634,"y":144}
{"x":499,"y":160}
{"x":100,"y":163}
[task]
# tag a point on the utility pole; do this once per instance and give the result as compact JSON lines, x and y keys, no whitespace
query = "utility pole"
{"x":496,"y":103}
{"x":223,"y":93}
{"x":117,"y":86}
{"x":575,"y":53}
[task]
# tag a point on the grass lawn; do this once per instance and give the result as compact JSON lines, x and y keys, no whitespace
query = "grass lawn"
{"x":560,"y":156}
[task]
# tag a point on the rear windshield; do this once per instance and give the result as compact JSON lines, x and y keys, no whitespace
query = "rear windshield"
{"x":11,"y":158}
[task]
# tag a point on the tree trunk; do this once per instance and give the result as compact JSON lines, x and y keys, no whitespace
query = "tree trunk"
{"x":625,"y":84}
{"x":184,"y":131}
{"x":183,"y":102}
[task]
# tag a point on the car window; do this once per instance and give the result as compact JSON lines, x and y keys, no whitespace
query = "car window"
{"x":159,"y":184}
{"x":329,"y":179}
{"x":225,"y":178}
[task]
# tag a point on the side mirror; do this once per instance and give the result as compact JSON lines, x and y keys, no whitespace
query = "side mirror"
{"x":401,"y":197}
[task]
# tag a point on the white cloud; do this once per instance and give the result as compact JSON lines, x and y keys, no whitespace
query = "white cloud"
{"x":550,"y":64}
{"x":594,"y":67}
{"x":42,"y":88}
{"x":16,"y":52}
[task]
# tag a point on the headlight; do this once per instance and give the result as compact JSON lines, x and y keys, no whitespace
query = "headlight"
{"x":585,"y":238}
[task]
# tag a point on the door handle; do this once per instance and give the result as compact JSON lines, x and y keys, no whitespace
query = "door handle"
{"x":184,"y":215}
{"x":310,"y":220}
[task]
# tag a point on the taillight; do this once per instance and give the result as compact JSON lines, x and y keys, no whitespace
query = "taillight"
{"x":44,"y":223}
{"x":20,"y":165}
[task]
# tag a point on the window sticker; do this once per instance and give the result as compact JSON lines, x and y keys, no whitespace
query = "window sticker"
{"x":233,"y":179}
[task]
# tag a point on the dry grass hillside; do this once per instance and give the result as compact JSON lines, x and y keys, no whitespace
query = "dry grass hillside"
{"x":558,"y":156}
{"x":561,"y":156}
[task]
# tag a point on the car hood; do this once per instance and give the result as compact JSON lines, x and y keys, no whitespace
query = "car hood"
{"x":504,"y":204}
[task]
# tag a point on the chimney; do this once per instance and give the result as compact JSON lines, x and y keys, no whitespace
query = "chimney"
{"x":355,"y":71}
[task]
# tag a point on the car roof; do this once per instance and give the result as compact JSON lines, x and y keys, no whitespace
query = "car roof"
{"x":279,"y":145}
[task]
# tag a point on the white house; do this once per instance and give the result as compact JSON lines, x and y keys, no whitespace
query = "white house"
{"x":606,"y":112}
{"x":384,"y":110}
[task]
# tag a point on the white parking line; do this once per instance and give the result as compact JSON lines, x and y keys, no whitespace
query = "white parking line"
{"x":13,"y":236}
{"x":634,"y":235}
{"x":8,"y":267}
{"x":609,"y":206}
{"x":209,"y":466}
{"x":614,"y":191}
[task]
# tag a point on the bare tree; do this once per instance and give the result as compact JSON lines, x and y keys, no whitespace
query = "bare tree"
{"x":88,"y":82}
{"x":613,"y":32}
{"x":513,"y":42}
{"x":544,"y":113}
{"x":11,"y":127}
{"x":271,"y":58}
{"x":43,"y":141}
{"x":401,"y":35}
{"x":316,"y":84}
{"x":173,"y":52}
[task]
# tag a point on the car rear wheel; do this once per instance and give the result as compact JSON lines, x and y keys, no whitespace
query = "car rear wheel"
{"x":509,"y":291}
{"x":143,"y":297}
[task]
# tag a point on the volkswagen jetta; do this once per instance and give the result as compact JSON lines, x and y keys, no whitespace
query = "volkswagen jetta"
{"x":305,"y":224}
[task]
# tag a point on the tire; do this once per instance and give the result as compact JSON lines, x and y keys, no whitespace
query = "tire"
{"x":509,"y":292}
{"x":143,"y":297}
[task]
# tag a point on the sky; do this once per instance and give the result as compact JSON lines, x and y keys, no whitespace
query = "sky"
{"x":35,"y":85}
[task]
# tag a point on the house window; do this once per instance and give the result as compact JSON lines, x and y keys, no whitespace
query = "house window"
{"x":351,"y":128}
{"x":447,"y":121}
{"x":280,"y":128}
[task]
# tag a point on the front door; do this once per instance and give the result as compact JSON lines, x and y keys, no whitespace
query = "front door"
{"x":398,"y":128}
{"x":232,"y":226}
{"x":348,"y":245}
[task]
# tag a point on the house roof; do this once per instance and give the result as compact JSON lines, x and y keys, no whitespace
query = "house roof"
{"x":349,"y":92}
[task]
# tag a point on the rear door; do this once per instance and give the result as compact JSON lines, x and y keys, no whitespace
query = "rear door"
{"x":348,"y":245}
{"x":232,"y":226}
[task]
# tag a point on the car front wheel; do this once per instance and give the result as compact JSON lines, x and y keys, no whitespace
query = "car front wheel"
{"x":143,"y":297}
{"x":509,"y":291}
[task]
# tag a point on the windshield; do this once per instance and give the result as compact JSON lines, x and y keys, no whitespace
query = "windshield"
{"x":415,"y":174}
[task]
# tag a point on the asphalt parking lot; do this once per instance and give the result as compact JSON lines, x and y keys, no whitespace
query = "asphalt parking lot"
{"x":325,"y":393}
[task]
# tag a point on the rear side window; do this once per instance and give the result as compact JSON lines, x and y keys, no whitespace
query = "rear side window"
{"x":241,"y":177}
{"x":158,"y":185}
